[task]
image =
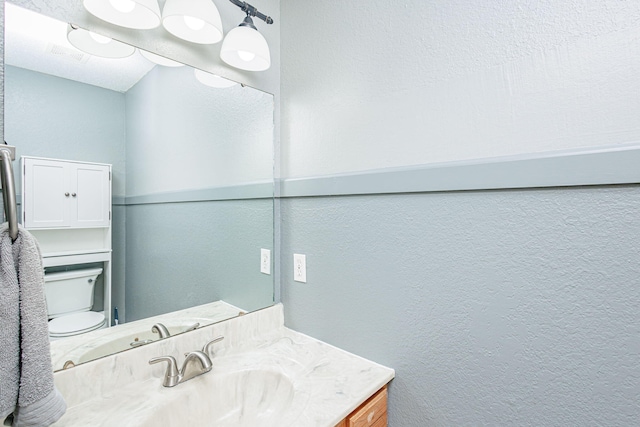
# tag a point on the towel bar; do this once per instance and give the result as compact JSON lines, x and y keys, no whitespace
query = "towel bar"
{"x":9,"y":190}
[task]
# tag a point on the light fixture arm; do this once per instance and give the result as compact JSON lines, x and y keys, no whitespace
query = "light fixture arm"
{"x":252,"y":11}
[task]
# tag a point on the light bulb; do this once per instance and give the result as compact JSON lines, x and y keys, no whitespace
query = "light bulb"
{"x":124,"y":6}
{"x":246,"y":49}
{"x":246,"y":56}
{"x":137,"y":14}
{"x":194,"y":23}
{"x":96,"y":44}
{"x":99,"y":38}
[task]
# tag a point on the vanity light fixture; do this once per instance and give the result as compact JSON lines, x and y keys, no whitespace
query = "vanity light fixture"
{"x":212,"y":80}
{"x":96,"y":44}
{"x":136,"y":14}
{"x":196,"y":21}
{"x":244,"y":47}
{"x":160,"y":60}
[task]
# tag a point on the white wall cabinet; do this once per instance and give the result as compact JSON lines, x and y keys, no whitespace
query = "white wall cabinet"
{"x":66,"y":205}
{"x":59,"y":193}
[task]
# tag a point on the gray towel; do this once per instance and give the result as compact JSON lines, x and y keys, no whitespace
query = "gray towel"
{"x":26,"y":374}
{"x":9,"y":327}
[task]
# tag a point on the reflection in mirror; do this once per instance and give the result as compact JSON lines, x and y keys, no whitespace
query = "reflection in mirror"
{"x":100,"y":343}
{"x":192,"y":180}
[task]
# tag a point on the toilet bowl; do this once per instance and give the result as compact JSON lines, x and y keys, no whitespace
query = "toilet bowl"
{"x":69,"y":296}
{"x":76,"y":324}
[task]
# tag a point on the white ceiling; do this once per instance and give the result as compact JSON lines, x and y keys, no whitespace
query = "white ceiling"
{"x":39,"y":43}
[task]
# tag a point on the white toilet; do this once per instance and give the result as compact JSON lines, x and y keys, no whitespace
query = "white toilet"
{"x":69,"y":300}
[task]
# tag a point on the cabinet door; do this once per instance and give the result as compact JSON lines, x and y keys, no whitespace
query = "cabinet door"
{"x":91,"y":195}
{"x":46,"y":194}
{"x":373,"y":413}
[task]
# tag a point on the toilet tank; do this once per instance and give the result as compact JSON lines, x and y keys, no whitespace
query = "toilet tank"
{"x":70,"y":291}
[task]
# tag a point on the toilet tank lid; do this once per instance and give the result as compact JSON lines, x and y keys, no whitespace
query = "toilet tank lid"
{"x":65,"y":275}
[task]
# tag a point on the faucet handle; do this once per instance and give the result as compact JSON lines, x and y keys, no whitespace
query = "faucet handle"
{"x":205,"y":349}
{"x":192,"y":327}
{"x":171,"y":375}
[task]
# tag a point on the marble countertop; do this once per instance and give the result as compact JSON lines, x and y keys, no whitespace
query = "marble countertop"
{"x":96,"y":344}
{"x":319,"y":384}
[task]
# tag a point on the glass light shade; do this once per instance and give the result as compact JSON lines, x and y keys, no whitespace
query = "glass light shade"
{"x":196,"y":21}
{"x":160,"y":60}
{"x":98,"y":45}
{"x":212,"y":80}
{"x":137,"y":14}
{"x":247,"y":49}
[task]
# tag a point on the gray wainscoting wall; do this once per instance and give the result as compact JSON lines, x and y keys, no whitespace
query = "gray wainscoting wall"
{"x":502,"y":307}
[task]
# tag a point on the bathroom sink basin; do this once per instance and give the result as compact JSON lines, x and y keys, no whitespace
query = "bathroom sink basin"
{"x":246,"y":398}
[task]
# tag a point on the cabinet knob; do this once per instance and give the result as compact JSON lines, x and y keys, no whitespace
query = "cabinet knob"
{"x":73,"y":194}
{"x":66,"y":194}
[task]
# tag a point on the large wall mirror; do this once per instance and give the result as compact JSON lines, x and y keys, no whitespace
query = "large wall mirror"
{"x":192,"y":169}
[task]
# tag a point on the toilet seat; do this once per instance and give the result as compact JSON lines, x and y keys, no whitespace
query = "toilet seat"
{"x":76,"y":324}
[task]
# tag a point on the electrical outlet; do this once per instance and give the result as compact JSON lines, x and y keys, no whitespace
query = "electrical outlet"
{"x":300,"y":268}
{"x":265,"y":261}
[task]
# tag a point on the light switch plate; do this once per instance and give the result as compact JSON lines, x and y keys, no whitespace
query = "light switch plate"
{"x":300,"y":268}
{"x":265,"y":261}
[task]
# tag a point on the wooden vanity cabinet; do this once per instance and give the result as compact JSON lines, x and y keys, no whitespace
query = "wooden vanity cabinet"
{"x":372,"y":413}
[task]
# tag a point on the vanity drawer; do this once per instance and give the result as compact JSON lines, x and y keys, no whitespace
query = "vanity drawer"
{"x":373,"y":413}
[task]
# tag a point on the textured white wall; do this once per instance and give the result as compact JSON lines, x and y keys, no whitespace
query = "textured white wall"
{"x":375,"y":84}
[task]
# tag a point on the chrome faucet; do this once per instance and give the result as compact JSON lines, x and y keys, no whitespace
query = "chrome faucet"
{"x":171,"y":376}
{"x":162,"y":330}
{"x":195,"y":363}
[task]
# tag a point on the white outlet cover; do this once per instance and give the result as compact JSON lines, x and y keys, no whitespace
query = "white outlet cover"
{"x":265,"y":261}
{"x":300,"y":268}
